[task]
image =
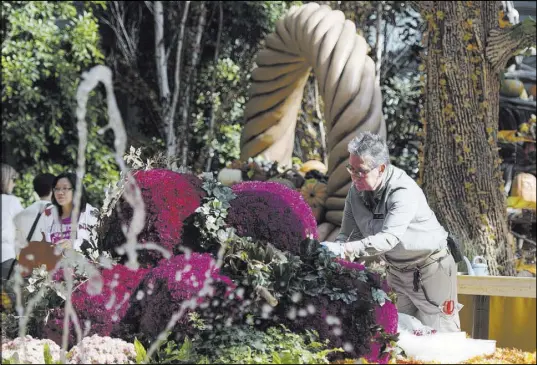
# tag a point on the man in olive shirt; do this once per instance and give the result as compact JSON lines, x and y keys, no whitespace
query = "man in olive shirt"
{"x":386,"y":214}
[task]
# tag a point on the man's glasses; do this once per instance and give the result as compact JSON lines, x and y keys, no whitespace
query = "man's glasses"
{"x":359,"y":173}
{"x":63,"y":190}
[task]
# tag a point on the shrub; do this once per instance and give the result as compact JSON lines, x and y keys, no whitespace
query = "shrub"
{"x":346,"y":325}
{"x":169,"y":198}
{"x":105,"y":310}
{"x":247,"y":345}
{"x":272,"y":212}
{"x":184,"y":280}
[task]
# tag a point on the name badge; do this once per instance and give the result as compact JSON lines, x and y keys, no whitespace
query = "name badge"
{"x":378,"y":216}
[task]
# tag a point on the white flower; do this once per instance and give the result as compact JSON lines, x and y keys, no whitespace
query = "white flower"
{"x":29,"y":350}
{"x":102,"y":350}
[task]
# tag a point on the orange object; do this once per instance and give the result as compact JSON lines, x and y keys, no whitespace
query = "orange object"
{"x":36,"y":254}
{"x":314,"y":193}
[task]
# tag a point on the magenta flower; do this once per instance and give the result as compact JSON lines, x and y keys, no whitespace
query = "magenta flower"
{"x":271,"y":211}
{"x":192,"y":281}
{"x":104,"y":310}
{"x":169,"y":199}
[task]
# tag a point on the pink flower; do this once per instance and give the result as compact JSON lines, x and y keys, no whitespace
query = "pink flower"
{"x":271,"y":211}
{"x":184,"y":280}
{"x":169,"y":199}
{"x":105,"y":310}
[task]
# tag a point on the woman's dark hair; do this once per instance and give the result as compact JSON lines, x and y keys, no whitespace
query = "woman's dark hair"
{"x":72,"y":179}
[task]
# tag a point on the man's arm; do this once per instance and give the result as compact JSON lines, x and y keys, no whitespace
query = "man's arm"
{"x":402,"y":207}
{"x":349,"y":229}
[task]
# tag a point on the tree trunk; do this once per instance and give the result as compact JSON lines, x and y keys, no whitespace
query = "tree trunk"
{"x":461,"y":166}
{"x":379,"y":41}
{"x":322,"y":130}
{"x":171,"y":140}
{"x":191,"y":78}
{"x":210,"y":132}
{"x":160,"y":52}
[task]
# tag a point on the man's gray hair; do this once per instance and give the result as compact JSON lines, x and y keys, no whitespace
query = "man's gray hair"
{"x":372,"y":146}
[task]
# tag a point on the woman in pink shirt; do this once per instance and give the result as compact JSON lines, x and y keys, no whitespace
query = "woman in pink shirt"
{"x":58,"y":218}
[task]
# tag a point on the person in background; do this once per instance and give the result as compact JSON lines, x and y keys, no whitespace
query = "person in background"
{"x":27,"y":220}
{"x":57,"y":219}
{"x":11,"y":206}
{"x":386,"y":214}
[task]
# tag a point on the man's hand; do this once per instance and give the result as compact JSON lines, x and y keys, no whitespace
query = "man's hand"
{"x":334,"y":247}
{"x":355,"y":249}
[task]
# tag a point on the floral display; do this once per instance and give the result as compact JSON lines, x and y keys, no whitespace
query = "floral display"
{"x":29,"y":350}
{"x":169,"y":198}
{"x":102,"y":350}
{"x":184,"y":280}
{"x":104,"y":310}
{"x":346,"y":325}
{"x":266,"y":233}
{"x":271,"y":211}
{"x":386,"y":316}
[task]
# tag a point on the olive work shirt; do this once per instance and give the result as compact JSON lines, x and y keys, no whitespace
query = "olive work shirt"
{"x":394,"y":221}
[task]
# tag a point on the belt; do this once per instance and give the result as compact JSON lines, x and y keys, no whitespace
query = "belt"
{"x":436,"y":256}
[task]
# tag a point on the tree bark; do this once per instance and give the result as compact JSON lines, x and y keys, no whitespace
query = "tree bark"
{"x":322,"y":131}
{"x":160,"y":52}
{"x":379,"y":41}
{"x":183,"y":130}
{"x":171,"y":140}
{"x":210,"y":132}
{"x":461,"y":166}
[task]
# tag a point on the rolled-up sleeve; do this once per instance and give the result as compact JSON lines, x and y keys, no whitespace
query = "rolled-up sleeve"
{"x":402,"y":207}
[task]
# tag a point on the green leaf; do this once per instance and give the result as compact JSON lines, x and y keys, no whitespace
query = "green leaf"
{"x":47,"y":355}
{"x":141,"y":354}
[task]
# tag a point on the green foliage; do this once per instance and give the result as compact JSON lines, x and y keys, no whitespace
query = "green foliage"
{"x":211,"y":215}
{"x":276,"y":345}
{"x":314,"y":273}
{"x":402,"y":100}
{"x":46,"y":354}
{"x":173,"y":354}
{"x":141,"y":354}
{"x":45,"y":47}
{"x":246,"y":24}
{"x":247,"y":345}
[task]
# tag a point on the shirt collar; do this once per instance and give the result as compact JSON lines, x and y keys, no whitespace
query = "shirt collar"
{"x":377,"y":193}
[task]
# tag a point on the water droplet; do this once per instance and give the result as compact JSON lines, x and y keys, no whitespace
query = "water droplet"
{"x":291,"y":314}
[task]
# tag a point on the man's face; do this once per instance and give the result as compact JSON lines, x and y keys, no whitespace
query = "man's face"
{"x":363,"y":176}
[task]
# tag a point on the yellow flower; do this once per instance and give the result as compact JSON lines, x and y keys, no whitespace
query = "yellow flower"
{"x":6,"y":302}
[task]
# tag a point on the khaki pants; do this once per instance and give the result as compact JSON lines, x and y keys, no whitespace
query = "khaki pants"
{"x":436,"y":296}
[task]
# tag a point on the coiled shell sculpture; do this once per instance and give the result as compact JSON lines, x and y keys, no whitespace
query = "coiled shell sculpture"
{"x":319,"y":38}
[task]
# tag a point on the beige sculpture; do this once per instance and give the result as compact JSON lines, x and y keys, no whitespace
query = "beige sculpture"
{"x":313,"y":36}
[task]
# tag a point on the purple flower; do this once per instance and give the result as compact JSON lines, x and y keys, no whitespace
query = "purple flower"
{"x":104,"y":310}
{"x":169,"y":199}
{"x":271,"y":211}
{"x":183,"y":283}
